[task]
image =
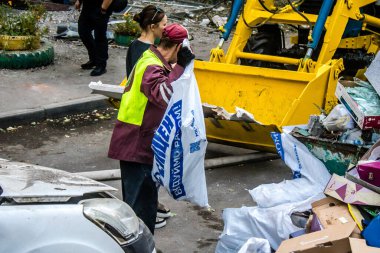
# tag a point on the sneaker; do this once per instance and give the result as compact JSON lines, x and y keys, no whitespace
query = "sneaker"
{"x":160,"y":223}
{"x":88,"y":65}
{"x":163,"y":212}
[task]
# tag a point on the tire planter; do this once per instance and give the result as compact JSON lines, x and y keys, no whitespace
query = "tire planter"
{"x":13,"y":43}
{"x":123,"y":40}
{"x":27,"y":59}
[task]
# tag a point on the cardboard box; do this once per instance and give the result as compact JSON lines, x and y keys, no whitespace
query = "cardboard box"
{"x":367,"y":154}
{"x":360,"y":246}
{"x":334,"y":239}
{"x":353,"y":175}
{"x":331,"y":212}
{"x":315,"y":224}
{"x":350,"y":192}
{"x":363,"y":121}
{"x":369,"y":171}
{"x":297,"y":233}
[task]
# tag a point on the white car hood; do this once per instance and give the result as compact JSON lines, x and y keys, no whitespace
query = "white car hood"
{"x":27,"y":181}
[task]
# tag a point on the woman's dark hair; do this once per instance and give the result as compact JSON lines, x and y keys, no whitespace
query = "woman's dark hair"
{"x":149,"y":15}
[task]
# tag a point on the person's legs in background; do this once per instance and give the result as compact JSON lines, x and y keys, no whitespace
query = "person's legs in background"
{"x":101,"y":44}
{"x":85,"y":28}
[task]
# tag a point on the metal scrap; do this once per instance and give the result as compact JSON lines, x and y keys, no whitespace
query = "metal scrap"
{"x":217,"y":112}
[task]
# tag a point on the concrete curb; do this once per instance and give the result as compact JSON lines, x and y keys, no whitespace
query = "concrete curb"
{"x":54,"y":110}
{"x":114,"y":174}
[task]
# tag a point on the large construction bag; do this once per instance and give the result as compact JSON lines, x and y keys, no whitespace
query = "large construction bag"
{"x":179,"y":143}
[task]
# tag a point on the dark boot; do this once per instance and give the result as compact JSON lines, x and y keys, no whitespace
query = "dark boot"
{"x":99,"y":70}
{"x":88,"y":65}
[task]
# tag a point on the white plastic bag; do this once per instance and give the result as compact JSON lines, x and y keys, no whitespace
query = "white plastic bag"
{"x":273,"y":224}
{"x":299,"y":159}
{"x":255,"y":245}
{"x":179,"y":143}
{"x":311,"y":175}
{"x":338,"y":119}
{"x":288,"y":191}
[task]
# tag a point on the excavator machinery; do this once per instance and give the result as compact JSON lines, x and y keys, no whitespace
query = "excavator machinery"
{"x":283,"y":79}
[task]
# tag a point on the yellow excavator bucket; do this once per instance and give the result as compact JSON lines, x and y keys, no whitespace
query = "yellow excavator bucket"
{"x":275,"y":97}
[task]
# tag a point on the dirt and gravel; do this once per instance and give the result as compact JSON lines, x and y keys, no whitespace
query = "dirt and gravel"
{"x":65,"y":80}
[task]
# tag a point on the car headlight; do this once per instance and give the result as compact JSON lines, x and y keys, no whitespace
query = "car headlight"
{"x":113,"y":216}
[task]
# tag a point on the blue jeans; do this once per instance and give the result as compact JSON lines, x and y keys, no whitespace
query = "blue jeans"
{"x":140,"y":191}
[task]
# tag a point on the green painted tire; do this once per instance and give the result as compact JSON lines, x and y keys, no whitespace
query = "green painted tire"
{"x":27,"y":59}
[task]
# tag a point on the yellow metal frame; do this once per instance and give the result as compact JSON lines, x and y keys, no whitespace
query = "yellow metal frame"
{"x":275,"y":97}
{"x":335,"y":25}
{"x":368,"y":42}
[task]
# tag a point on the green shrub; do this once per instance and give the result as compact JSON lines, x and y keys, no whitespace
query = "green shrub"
{"x":25,"y":23}
{"x":129,"y":27}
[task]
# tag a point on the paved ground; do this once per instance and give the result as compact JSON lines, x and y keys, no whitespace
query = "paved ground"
{"x":81,"y":145}
{"x":65,"y":81}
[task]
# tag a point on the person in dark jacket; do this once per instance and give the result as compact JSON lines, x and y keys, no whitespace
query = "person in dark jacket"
{"x":141,"y":110}
{"x":94,"y":17}
{"x":152,"y":21}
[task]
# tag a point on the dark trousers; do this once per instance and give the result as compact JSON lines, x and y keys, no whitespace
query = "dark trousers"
{"x":140,"y":191}
{"x":97,"y":46}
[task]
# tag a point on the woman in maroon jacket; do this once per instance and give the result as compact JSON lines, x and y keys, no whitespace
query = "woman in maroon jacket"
{"x":141,"y":110}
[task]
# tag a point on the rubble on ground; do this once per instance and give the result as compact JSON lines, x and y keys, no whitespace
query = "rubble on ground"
{"x":333,"y":202}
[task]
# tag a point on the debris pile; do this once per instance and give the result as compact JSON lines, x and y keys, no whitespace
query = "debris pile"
{"x":217,"y":112}
{"x":71,"y":122}
{"x":333,"y":202}
{"x":191,"y":14}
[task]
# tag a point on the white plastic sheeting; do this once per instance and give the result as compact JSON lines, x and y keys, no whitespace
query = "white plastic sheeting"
{"x":255,"y":245}
{"x":270,"y":219}
{"x":311,"y":175}
{"x":339,"y":119}
{"x":288,"y":191}
{"x":273,"y":223}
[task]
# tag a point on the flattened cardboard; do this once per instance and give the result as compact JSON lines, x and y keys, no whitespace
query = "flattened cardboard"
{"x":331,"y":212}
{"x":331,"y":240}
{"x":351,"y":193}
{"x":360,"y":246}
